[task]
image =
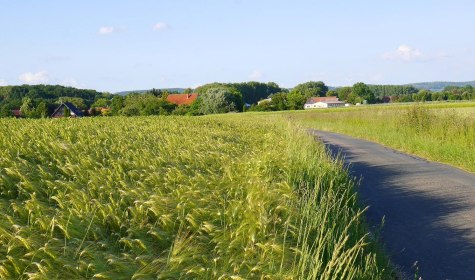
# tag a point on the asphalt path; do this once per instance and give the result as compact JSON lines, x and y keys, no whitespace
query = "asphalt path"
{"x":428,"y":207}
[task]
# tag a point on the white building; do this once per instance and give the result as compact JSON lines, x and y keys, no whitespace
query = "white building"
{"x":264,"y":100}
{"x":323,"y":102}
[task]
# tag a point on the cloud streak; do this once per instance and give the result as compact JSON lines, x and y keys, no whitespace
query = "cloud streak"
{"x":404,"y":53}
{"x":161,"y":26}
{"x":69,"y":82}
{"x":106,"y":30}
{"x":3,"y":82}
{"x":41,"y":77}
{"x":409,"y":54}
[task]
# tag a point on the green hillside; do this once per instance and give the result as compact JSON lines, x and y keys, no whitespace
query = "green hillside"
{"x":439,"y":86}
{"x":174,"y":90}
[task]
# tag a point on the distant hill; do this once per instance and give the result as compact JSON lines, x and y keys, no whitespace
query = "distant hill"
{"x":439,"y":86}
{"x":432,"y":86}
{"x":179,"y":90}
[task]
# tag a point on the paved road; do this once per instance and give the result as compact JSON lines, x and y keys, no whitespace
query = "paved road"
{"x":429,"y":208}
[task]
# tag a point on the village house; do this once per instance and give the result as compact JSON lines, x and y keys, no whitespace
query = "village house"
{"x":182,"y":98}
{"x":67,"y":109}
{"x":103,"y":111}
{"x":323,"y":102}
{"x":16,"y":113}
{"x":264,"y":100}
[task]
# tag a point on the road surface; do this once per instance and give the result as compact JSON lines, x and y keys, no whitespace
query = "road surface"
{"x":428,"y":208}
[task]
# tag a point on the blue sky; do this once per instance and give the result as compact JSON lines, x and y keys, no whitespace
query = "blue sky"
{"x":128,"y":45}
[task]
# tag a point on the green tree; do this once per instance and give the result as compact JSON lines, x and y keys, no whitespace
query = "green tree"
{"x":76,"y":101}
{"x":41,"y":111}
{"x":310,"y":89}
{"x":363,"y":91}
{"x":26,"y":108}
{"x":131,"y":110}
{"x":156,"y":106}
{"x":117,"y":103}
{"x":251,"y":92}
{"x":343,"y":93}
{"x":422,"y":96}
{"x":353,"y":98}
{"x":295,"y":100}
{"x":220,"y":100}
{"x":146,"y":105}
{"x":302,"y":92}
{"x":406,"y":98}
{"x":101,"y":102}
{"x":279,"y":101}
{"x":264,"y":106}
{"x":5,"y":112}
{"x":195,"y":108}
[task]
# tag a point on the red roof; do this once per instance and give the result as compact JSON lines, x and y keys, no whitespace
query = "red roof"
{"x":16,"y":113}
{"x":182,"y":99}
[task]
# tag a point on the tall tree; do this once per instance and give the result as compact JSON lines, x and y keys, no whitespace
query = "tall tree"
{"x":117,"y":104}
{"x":26,"y":108}
{"x":220,"y":100}
{"x":363,"y":91}
{"x":343,"y":93}
{"x":310,"y":89}
{"x":41,"y":111}
{"x":295,"y":100}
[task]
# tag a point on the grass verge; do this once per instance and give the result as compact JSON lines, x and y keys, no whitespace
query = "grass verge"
{"x":439,"y":132}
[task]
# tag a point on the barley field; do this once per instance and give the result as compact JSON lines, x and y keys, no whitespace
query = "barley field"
{"x":218,"y":197}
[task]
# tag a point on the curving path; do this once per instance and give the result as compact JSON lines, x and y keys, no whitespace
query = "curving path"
{"x":429,"y":208}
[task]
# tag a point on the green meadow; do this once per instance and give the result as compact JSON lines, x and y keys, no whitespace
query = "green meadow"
{"x":238,"y":196}
{"x":443,"y":132}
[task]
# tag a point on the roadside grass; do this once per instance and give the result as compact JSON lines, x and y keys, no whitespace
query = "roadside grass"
{"x":218,"y":197}
{"x":439,"y":132}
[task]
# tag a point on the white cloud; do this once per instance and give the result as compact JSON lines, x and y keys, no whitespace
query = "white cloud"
{"x":41,"y":77}
{"x":3,"y":82}
{"x":161,"y":26}
{"x":106,"y":30}
{"x":405,"y":53}
{"x":69,"y":82}
{"x":256,"y":75}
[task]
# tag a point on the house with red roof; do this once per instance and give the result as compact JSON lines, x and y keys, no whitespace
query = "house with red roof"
{"x":323,"y":102}
{"x":16,"y":113}
{"x":182,"y":98}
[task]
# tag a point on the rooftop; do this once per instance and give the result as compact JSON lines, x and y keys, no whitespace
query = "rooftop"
{"x":182,"y":99}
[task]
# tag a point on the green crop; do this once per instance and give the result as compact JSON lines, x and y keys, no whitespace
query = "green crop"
{"x":219,"y":197}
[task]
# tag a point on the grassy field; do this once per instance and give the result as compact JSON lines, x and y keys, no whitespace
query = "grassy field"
{"x":439,"y":132}
{"x":219,"y":197}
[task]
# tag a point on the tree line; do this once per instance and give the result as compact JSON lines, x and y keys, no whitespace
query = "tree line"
{"x":40,"y":100}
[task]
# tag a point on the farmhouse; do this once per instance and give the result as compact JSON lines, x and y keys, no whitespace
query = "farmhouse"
{"x":16,"y":113}
{"x":264,"y":100}
{"x":67,"y":109}
{"x":323,"y":102}
{"x":182,"y":99}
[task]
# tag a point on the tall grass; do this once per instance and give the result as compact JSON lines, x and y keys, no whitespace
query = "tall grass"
{"x":176,"y":198}
{"x":445,"y":134}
